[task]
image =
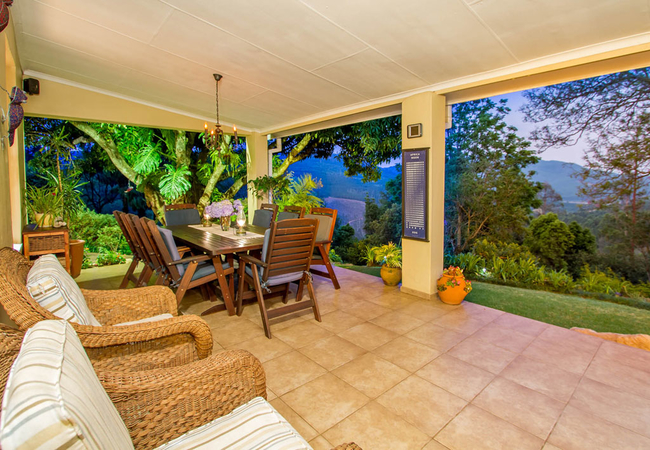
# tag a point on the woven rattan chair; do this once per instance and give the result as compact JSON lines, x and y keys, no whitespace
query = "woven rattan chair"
{"x":287,"y":252}
{"x":265,"y":216}
{"x":164,"y":343}
{"x":182,"y":214}
{"x":10,"y":340}
{"x":291,"y":212}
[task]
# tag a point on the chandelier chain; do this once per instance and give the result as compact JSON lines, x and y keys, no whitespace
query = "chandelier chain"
{"x":217,"y":102}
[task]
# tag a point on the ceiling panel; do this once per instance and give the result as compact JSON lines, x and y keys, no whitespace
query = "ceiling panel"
{"x":533,"y":29}
{"x":286,"y":28}
{"x":371,"y":75}
{"x":437,"y":41}
{"x":288,"y":59}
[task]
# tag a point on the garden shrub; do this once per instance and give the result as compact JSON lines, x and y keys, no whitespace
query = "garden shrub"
{"x":471,"y":264}
{"x":99,"y":231}
{"x":550,"y":239}
{"x":334,"y":257}
{"x":108,"y":258}
{"x":490,"y":249}
{"x":604,"y":283}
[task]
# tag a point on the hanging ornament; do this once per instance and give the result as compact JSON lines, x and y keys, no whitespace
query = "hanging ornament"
{"x":16,"y":113}
{"x":4,"y":13}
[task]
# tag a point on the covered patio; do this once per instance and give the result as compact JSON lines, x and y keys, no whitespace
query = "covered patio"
{"x":387,"y":367}
{"x":388,"y":370}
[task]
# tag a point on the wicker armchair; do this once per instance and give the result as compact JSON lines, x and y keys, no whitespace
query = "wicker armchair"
{"x":165,"y":343}
{"x":10,"y":341}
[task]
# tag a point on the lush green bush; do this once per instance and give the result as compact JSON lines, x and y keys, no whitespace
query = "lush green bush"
{"x":334,"y":257}
{"x":550,"y":240}
{"x":490,"y":249}
{"x":100,"y":231}
{"x":108,"y":258}
{"x":604,"y":283}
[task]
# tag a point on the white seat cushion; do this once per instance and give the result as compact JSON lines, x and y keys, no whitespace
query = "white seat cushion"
{"x":55,"y":290}
{"x":255,"y":425}
{"x":148,"y":319}
{"x":54,"y":399}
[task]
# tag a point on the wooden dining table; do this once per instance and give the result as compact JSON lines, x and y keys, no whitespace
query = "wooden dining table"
{"x":215,"y":244}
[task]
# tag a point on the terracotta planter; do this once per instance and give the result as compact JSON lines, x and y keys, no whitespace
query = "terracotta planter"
{"x":391,"y":276}
{"x":452,"y":294}
{"x":43,"y":220}
{"x":76,"y":256}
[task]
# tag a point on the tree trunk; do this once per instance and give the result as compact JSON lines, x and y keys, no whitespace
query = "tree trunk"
{"x":155,"y":202}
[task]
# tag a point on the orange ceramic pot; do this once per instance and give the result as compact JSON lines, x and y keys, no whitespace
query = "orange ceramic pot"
{"x":452,"y":294}
{"x":390,"y":275}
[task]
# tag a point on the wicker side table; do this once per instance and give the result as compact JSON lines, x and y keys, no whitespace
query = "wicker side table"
{"x":45,"y":240}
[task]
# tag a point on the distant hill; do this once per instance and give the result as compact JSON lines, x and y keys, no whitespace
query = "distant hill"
{"x":336,"y":184}
{"x":558,"y":175}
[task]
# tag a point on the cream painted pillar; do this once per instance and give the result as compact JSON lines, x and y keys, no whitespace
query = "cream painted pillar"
{"x":257,"y":165}
{"x":423,"y":261}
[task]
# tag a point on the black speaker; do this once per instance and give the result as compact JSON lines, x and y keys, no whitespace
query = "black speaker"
{"x":31,"y":86}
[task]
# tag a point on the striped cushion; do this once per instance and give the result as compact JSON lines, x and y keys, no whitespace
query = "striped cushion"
{"x":255,"y":425}
{"x":53,"y":398}
{"x":55,"y":290}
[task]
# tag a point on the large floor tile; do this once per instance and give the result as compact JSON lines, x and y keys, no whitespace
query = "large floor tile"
{"x":397,"y":322}
{"x":374,"y":427}
{"x":521,"y":324}
{"x":302,"y":334}
{"x":264,"y":348}
{"x":325,"y":401}
{"x":423,"y":404}
{"x":483,"y":354}
{"x":614,"y":405}
{"x":371,"y":374}
{"x":565,"y":336}
{"x":579,"y":430}
{"x":290,"y":371}
{"x":439,"y":338}
{"x":424,"y":310}
{"x":302,"y":427}
{"x":542,"y":377}
{"x":363,"y":309}
{"x":523,"y":407}
{"x":332,"y":352}
{"x":564,"y":356}
{"x":339,"y":321}
{"x":624,"y":355}
{"x":612,"y":373}
{"x":504,"y":337}
{"x":456,"y":376}
{"x":368,"y":335}
{"x":459,"y":321}
{"x":320,"y":443}
{"x":434,"y":445}
{"x":475,"y":428}
{"x":236,"y":331}
{"x":407,"y":353}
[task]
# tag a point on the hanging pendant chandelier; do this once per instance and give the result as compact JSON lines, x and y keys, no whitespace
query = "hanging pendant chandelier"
{"x":214,"y":139}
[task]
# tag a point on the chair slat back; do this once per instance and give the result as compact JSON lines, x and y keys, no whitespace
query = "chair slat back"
{"x":329,"y":212}
{"x":135,"y":238}
{"x":161,"y":248}
{"x":290,"y":247}
{"x":127,"y":236}
{"x":156,"y":264}
{"x":179,"y":206}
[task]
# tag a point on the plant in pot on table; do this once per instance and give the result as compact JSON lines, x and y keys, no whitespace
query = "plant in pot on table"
{"x":390,"y":258}
{"x":224,"y":210}
{"x":42,"y":205}
{"x":452,"y":286}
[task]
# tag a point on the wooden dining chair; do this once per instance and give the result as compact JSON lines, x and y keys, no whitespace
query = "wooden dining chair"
{"x":326,"y":220}
{"x":190,"y":272}
{"x":286,"y":256}
{"x":291,"y":212}
{"x":182,"y":214}
{"x":137,"y":258}
{"x":265,"y":216}
{"x":154,"y":263}
{"x":149,"y":267}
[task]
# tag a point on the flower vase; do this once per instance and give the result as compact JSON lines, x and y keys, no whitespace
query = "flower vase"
{"x":225,"y":223}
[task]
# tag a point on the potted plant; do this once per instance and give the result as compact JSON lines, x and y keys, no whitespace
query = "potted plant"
{"x":452,"y":286}
{"x":224,"y":211}
{"x":390,"y":258}
{"x":42,"y":204}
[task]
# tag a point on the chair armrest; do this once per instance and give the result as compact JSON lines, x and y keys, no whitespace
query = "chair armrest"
{"x":322,"y":242}
{"x":190,"y":259}
{"x":191,"y":326}
{"x":252,"y":260}
{"x":183,"y":249}
{"x":126,"y":305}
{"x":160,"y":405}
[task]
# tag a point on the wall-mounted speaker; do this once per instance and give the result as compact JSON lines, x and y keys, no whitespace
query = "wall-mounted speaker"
{"x":31,"y":86}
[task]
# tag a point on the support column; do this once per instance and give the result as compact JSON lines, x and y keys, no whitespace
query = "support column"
{"x":257,"y":165}
{"x":423,"y":261}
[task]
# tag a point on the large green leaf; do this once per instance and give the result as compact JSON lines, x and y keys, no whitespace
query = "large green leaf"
{"x":175,"y":182}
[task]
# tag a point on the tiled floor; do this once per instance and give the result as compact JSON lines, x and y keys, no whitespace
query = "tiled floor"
{"x":390,"y":371}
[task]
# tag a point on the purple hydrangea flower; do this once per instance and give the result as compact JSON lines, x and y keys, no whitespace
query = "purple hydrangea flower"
{"x":224,"y":208}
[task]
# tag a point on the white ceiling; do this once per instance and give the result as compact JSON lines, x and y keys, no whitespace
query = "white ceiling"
{"x":284,"y":60}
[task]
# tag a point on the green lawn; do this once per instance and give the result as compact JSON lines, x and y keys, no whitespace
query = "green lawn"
{"x":558,"y":309}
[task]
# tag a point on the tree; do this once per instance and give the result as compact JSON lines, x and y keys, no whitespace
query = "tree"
{"x":549,"y":239}
{"x":487,"y":191}
{"x":383,"y":221}
{"x":583,"y":247}
{"x":593,"y":107}
{"x":301,"y":193}
{"x":551,"y":200}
